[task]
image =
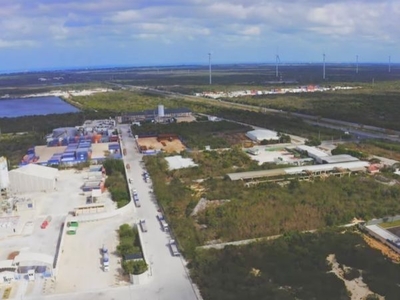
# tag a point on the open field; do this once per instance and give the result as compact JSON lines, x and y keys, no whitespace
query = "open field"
{"x":170,"y":146}
{"x":221,"y":134}
{"x":389,"y":224}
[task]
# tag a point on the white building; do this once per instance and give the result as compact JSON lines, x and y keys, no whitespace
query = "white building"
{"x":4,"y":178}
{"x":313,"y":152}
{"x":259,"y":135}
{"x":32,"y":178}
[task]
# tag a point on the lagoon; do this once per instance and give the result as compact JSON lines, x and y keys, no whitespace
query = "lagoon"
{"x":19,"y":107}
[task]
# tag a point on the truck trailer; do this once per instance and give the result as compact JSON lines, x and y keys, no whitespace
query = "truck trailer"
{"x":174,"y":248}
{"x":143,"y":225}
{"x":164,"y":225}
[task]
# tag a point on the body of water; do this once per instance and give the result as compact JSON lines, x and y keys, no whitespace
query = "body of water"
{"x":19,"y":107}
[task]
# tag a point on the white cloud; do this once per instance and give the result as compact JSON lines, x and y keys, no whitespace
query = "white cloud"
{"x":17,"y":43}
{"x":317,"y":22}
{"x":253,"y":30}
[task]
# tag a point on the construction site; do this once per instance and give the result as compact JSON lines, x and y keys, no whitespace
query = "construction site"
{"x":169,"y":143}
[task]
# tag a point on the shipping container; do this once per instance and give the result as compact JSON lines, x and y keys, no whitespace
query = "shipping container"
{"x":113,"y":146}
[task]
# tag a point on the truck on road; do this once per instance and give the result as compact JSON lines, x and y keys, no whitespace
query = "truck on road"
{"x":143,"y":225}
{"x":174,"y":247}
{"x":137,"y":203}
{"x":106,"y":262}
{"x":164,"y":225}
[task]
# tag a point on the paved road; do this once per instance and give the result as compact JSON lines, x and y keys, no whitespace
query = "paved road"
{"x":169,"y":278}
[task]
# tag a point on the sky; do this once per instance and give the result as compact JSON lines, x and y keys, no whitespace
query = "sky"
{"x":48,"y":34}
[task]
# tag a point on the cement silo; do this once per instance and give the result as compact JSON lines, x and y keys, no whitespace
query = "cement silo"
{"x":161,"y":111}
{"x":4,"y":179}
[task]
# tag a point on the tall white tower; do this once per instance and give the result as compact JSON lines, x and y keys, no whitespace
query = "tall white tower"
{"x":4,"y":179}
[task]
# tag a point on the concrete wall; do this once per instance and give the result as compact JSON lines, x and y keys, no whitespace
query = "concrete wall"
{"x":141,"y":278}
{"x":25,"y":183}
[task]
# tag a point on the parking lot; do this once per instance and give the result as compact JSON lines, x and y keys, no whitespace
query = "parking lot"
{"x":22,"y":231}
{"x":80,"y":266}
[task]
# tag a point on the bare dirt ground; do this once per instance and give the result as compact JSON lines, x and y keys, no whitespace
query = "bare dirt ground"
{"x":170,"y":146}
{"x":385,"y":250}
{"x":185,"y":119}
{"x":358,"y":289}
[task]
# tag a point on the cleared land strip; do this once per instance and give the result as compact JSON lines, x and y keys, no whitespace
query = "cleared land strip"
{"x":249,"y":241}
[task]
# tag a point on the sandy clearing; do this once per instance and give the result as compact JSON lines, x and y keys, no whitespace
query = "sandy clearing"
{"x":357,"y":287}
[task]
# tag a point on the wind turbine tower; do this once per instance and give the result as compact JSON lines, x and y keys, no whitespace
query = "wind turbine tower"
{"x":323,"y":66}
{"x":277,"y":62}
{"x":389,"y":63}
{"x":356,"y":64}
{"x":209,"y":67}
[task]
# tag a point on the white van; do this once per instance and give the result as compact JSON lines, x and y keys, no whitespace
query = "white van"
{"x":31,"y":275}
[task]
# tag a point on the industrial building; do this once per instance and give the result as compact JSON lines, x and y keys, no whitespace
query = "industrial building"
{"x":385,"y":236}
{"x":341,"y":158}
{"x":158,"y":114}
{"x":94,"y":131}
{"x":26,"y":263}
{"x":314,"y":170}
{"x":259,"y":135}
{"x":4,"y":178}
{"x":32,"y":178}
{"x":315,"y":153}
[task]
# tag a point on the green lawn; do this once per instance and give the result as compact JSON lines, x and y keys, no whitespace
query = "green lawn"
{"x":390,"y":224}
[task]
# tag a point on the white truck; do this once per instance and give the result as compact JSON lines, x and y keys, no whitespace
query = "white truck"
{"x":164,"y":225}
{"x":137,"y":203}
{"x":143,"y":225}
{"x":106,"y":262}
{"x":174,"y":248}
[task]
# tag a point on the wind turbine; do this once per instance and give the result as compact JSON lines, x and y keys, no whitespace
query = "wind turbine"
{"x":389,"y":63}
{"x":323,"y":65}
{"x":357,"y":64}
{"x":277,"y":62}
{"x":209,"y":66}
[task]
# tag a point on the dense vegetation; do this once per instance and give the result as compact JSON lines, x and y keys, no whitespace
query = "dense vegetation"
{"x":129,"y":243}
{"x":196,"y":134}
{"x":293,"y":267}
{"x":278,"y":122}
{"x":376,"y":105}
{"x":15,"y":146}
{"x":116,"y":181}
{"x":123,"y":101}
{"x":273,"y":209}
{"x":375,"y":147}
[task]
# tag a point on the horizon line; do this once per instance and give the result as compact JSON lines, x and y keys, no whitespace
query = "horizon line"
{"x":122,"y":66}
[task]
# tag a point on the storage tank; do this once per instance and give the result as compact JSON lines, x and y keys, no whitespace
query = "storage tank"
{"x":161,"y":111}
{"x":4,"y":179}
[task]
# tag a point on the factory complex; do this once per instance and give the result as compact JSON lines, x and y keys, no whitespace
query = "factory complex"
{"x":93,"y":141}
{"x":161,"y":115}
